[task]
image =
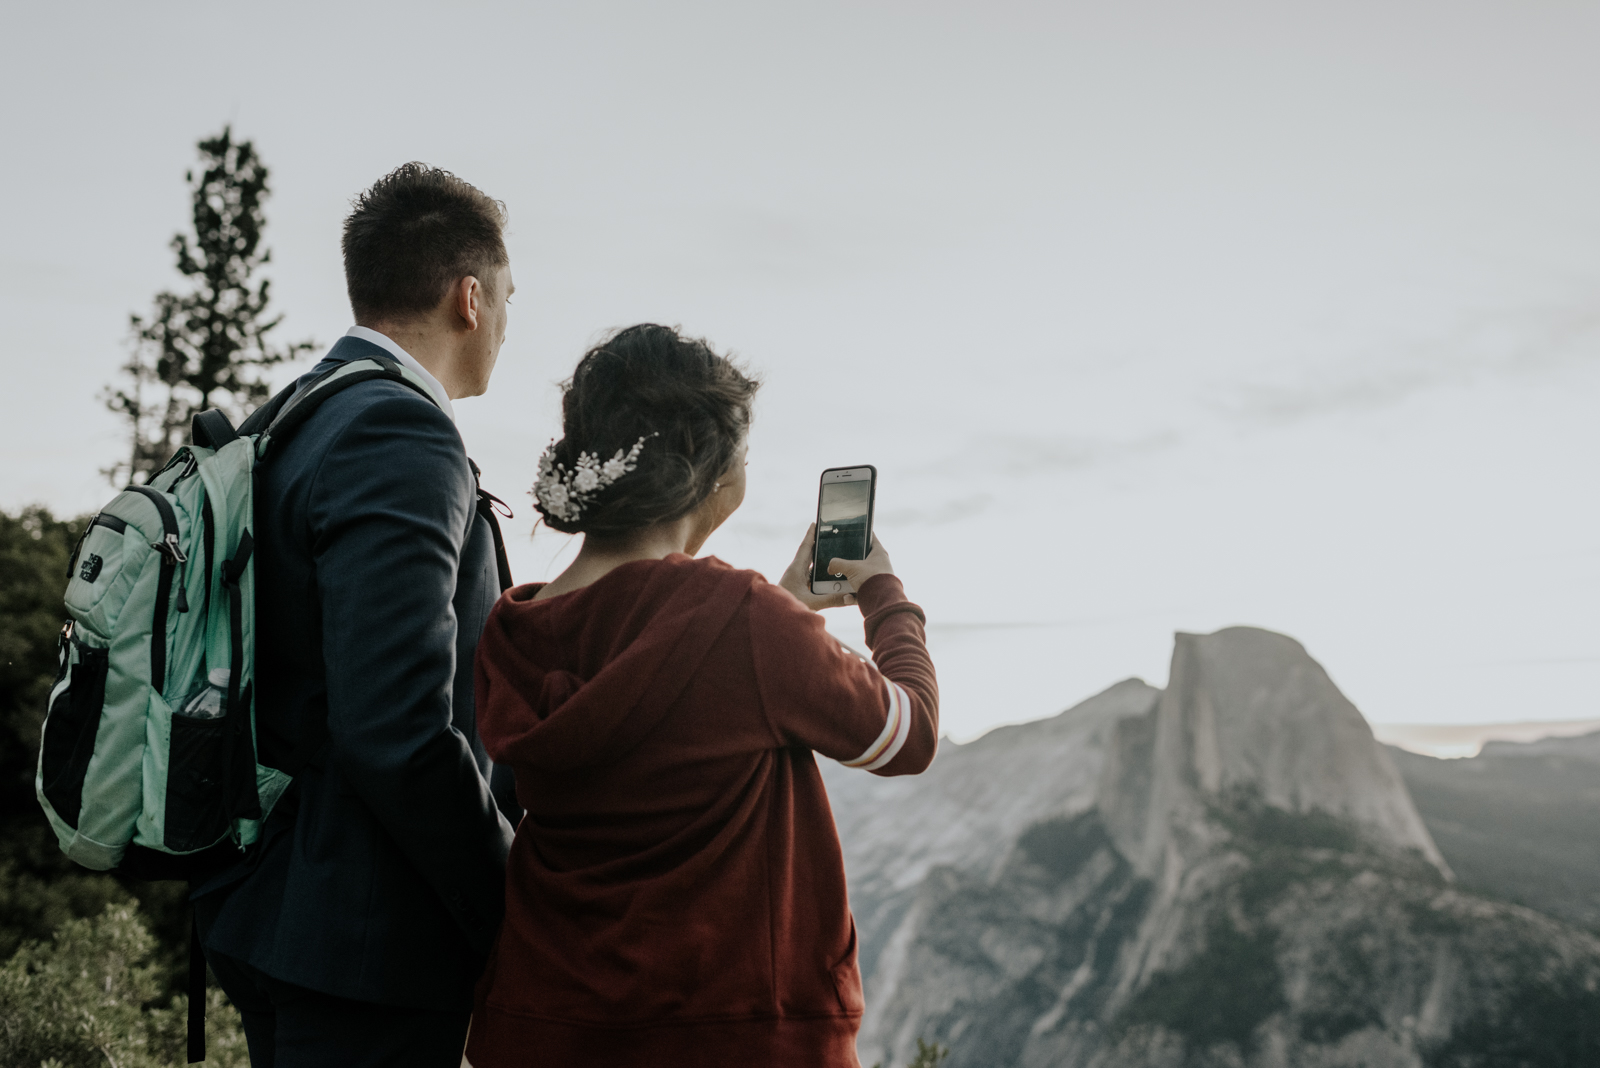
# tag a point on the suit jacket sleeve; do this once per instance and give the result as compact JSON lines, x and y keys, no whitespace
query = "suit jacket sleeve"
{"x":388,"y":510}
{"x":882,"y":716}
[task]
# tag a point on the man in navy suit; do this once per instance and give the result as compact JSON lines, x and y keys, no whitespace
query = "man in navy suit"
{"x":354,"y":930}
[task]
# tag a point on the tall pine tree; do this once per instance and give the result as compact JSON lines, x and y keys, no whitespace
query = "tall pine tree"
{"x":206,"y":348}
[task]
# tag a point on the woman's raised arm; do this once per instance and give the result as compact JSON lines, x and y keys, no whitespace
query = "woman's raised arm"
{"x":881,"y":716}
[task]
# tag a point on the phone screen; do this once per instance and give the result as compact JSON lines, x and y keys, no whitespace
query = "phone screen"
{"x":842,"y":516}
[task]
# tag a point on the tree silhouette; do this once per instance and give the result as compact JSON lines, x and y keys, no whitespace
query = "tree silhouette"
{"x":205,"y":348}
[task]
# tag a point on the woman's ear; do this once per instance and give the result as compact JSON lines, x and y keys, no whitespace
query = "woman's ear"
{"x":722,"y":502}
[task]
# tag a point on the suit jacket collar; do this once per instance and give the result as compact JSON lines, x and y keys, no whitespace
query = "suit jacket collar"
{"x":352,"y":347}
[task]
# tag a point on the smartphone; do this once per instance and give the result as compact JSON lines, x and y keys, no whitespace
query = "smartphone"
{"x":844,"y":523}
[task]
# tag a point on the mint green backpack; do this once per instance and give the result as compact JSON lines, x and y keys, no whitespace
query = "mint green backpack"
{"x":161,"y":598}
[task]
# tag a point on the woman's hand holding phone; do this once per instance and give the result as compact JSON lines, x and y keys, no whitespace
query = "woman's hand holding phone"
{"x":797,"y":577}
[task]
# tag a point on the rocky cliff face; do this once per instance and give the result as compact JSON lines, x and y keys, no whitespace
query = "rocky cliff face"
{"x":1227,"y":872}
{"x":1249,"y":715}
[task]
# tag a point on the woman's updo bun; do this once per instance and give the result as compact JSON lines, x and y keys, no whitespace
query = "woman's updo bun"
{"x":691,"y":407}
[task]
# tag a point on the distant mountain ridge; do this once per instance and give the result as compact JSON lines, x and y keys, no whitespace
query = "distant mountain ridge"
{"x":1230,"y":871}
{"x":1518,"y":821}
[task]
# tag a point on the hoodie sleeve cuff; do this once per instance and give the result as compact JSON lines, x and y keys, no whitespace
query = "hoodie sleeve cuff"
{"x":880,"y":597}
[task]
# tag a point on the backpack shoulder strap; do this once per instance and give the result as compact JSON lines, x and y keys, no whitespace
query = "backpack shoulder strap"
{"x":262,"y":417}
{"x":210,"y":429}
{"x":279,"y":418}
{"x":295,"y":410}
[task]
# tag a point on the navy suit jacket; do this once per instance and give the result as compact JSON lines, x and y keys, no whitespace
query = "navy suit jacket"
{"x":380,"y":877}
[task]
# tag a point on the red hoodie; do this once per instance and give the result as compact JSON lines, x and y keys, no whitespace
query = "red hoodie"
{"x":675,"y":894}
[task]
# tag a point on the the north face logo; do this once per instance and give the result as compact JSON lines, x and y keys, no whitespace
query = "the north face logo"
{"x":91,"y":568}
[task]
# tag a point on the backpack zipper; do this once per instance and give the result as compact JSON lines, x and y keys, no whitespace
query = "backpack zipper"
{"x":170,"y":550}
{"x":171,"y":556}
{"x":72,"y":561}
{"x":191,"y":464}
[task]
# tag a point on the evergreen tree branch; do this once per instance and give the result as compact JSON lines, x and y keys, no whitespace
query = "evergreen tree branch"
{"x":207,"y":347}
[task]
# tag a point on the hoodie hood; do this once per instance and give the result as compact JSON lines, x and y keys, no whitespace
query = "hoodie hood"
{"x":579,"y":680}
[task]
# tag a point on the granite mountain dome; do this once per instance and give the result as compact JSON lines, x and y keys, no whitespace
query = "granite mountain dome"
{"x":1230,"y":871}
{"x":1248,"y":713}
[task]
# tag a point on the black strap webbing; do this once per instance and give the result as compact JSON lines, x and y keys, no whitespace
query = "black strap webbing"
{"x":262,"y":417}
{"x":240,"y":785}
{"x":197,"y":992}
{"x":486,"y":503}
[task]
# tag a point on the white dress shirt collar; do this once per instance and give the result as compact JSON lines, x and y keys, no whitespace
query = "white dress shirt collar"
{"x":386,"y":343}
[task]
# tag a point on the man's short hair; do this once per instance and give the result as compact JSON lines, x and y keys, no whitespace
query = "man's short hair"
{"x":413,"y":235}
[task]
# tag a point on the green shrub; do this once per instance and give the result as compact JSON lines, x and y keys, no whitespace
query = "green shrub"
{"x":91,"y":997}
{"x":929,"y":1055}
{"x":1547,"y":1021}
{"x":39,"y":887}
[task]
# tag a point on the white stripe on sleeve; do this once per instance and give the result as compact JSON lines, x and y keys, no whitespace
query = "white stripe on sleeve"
{"x":896,"y":729}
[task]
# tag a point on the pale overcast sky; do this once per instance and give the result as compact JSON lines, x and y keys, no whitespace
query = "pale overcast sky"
{"x":1153,"y":317}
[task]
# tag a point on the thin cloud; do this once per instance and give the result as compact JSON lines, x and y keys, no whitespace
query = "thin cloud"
{"x":1021,"y":455}
{"x":946,"y":512}
{"x":1529,"y":342}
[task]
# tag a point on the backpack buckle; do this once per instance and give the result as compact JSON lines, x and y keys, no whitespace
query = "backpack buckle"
{"x":168,"y":547}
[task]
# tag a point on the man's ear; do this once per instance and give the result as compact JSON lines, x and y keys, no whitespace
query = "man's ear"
{"x":469,"y":301}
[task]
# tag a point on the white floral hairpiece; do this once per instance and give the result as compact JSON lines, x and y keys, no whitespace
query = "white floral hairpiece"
{"x":565,"y":493}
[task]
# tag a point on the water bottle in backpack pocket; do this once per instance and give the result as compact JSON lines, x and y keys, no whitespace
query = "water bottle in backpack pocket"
{"x":196,"y":813}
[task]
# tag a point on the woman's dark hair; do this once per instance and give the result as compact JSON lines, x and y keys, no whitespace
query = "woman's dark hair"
{"x":690,"y":405}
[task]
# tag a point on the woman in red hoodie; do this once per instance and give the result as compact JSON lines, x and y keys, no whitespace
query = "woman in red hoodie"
{"x":675,"y":894}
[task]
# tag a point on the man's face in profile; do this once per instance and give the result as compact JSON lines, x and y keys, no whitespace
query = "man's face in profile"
{"x":491,"y":332}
